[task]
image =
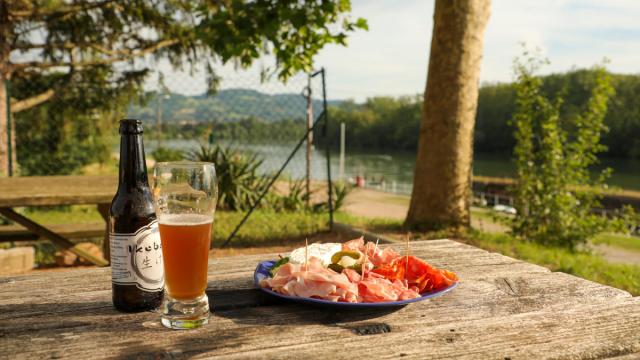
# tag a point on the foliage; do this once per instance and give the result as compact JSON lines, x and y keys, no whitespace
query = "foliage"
{"x":626,"y":220}
{"x":61,"y":136}
{"x":496,"y":105}
{"x":239,"y":183}
{"x":381,"y":122}
{"x":340,"y":192}
{"x":86,"y":35}
{"x":295,"y":199}
{"x":552,"y":162}
{"x":59,"y":52}
{"x":227,"y":105}
{"x":167,"y":154}
{"x":393,"y":123}
{"x":250,"y":130}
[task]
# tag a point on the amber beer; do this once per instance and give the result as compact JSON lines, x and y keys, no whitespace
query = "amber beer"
{"x":136,"y":251}
{"x":185,"y":245}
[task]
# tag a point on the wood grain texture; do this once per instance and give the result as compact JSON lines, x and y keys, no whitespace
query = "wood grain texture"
{"x":55,"y":238}
{"x":70,"y":231}
{"x":503,"y":308}
{"x":56,"y":190}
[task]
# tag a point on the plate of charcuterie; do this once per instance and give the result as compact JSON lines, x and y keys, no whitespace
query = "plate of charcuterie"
{"x":353,"y":274}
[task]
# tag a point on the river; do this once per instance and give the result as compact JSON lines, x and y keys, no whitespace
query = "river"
{"x":396,"y":168}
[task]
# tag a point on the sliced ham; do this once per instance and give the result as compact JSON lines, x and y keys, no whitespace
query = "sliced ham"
{"x":375,"y":255}
{"x":378,"y":289}
{"x":386,"y":277}
{"x":313,"y":281}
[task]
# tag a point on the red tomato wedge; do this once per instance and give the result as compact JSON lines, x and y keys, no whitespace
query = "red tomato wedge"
{"x":416,"y":273}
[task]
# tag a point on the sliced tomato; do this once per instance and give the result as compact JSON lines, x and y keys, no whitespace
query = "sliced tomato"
{"x":416,"y":273}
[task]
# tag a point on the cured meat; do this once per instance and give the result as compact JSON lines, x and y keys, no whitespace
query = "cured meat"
{"x":375,"y":255}
{"x":312,"y":281}
{"x":375,"y":288}
{"x":386,"y":276}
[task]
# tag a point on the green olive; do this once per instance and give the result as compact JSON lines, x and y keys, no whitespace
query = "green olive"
{"x":337,"y":268}
{"x":335,"y":258}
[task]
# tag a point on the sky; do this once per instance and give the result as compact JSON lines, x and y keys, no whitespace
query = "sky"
{"x":391,"y":58}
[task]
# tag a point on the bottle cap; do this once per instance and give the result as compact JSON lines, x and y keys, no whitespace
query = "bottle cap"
{"x":130,"y":127}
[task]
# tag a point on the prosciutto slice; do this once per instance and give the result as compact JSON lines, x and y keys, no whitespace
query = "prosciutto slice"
{"x":313,"y":281}
{"x":386,"y":276}
{"x":375,"y":255}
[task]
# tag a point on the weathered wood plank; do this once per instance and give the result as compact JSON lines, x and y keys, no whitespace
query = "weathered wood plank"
{"x":56,"y":239}
{"x":70,"y":231}
{"x":56,"y":190}
{"x":502,"y":308}
{"x":581,"y":331}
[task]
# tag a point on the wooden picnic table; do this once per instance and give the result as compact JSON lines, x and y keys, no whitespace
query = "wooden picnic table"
{"x":502,"y":309}
{"x":57,"y":190}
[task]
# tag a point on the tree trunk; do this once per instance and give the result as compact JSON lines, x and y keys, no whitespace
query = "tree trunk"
{"x":441,"y":184}
{"x":4,"y":115}
{"x":4,"y":71}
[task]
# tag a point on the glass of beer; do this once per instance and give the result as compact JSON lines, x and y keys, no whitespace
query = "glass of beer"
{"x":185,"y":196}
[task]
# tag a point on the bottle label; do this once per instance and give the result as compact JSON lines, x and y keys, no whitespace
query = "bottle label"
{"x":137,"y":258}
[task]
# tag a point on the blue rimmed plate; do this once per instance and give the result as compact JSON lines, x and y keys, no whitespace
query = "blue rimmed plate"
{"x":262,"y":272}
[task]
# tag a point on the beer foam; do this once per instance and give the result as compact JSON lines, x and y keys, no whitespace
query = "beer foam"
{"x":184,"y":219}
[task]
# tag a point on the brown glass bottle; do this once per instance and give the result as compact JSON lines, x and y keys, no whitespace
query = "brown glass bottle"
{"x":136,"y":252}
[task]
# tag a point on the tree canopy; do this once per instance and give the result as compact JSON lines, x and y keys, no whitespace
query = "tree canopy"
{"x":100,"y":43}
{"x":91,"y":57}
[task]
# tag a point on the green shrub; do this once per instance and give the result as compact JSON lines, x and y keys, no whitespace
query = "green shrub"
{"x":239,"y":184}
{"x":553,"y":156}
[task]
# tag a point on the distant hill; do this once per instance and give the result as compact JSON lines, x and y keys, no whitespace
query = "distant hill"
{"x":227,"y":105}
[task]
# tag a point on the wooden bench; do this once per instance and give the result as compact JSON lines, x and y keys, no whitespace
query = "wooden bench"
{"x":16,"y":192}
{"x":70,"y":231}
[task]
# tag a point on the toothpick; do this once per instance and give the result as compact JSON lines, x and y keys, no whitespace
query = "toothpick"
{"x":364,"y":264}
{"x":408,"y":252}
{"x":306,"y":254}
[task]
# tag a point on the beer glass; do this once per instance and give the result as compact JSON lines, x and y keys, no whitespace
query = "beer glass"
{"x":185,"y":196}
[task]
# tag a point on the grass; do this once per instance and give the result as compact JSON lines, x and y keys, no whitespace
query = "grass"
{"x":583,"y":264}
{"x":76,"y":214}
{"x":490,"y":216}
{"x":267,"y":227}
{"x":631,"y":243}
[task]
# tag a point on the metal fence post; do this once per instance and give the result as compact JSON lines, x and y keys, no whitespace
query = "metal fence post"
{"x":7,"y":86}
{"x":328,"y":146}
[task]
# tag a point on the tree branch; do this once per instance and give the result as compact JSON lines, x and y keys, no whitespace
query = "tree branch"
{"x":65,"y":45}
{"x":17,"y":106}
{"x":66,"y":10}
{"x":117,"y":55}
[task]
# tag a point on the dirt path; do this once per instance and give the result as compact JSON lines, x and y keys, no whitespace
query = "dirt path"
{"x":617,"y":255}
{"x":377,"y":204}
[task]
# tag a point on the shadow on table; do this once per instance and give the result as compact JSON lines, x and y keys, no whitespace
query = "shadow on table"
{"x":184,"y":345}
{"x":254,"y":307}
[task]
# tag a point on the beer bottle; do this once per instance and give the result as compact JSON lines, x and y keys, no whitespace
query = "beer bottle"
{"x":137,"y":271}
